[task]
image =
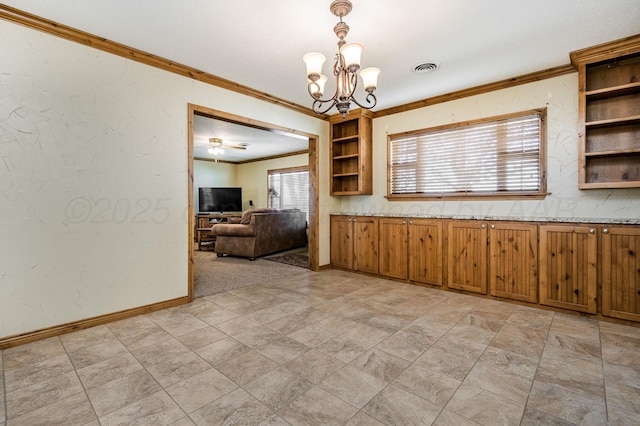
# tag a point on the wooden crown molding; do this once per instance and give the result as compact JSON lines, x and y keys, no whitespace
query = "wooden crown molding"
{"x":50,"y":27}
{"x":604,"y":51}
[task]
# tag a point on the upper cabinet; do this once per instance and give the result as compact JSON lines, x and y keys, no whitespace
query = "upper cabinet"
{"x":609,"y":107}
{"x":351,"y":164}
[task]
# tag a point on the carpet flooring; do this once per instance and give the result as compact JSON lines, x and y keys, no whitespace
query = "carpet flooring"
{"x":213,"y":274}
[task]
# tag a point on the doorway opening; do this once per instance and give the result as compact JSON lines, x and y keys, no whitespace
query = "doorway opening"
{"x":313,"y":221}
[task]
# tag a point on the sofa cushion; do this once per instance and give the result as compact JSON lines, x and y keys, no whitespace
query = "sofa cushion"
{"x":235,"y":229}
{"x":246,"y":216}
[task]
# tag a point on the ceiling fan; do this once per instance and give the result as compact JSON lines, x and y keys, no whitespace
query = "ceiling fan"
{"x":217,"y":143}
{"x":216,"y":147}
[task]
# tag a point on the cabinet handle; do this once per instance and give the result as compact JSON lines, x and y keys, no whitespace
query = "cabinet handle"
{"x":606,"y":230}
{"x":354,"y":220}
{"x":483,"y":226}
{"x":592,"y":231}
{"x":493,"y":227}
{"x":404,"y":222}
{"x":410,"y":222}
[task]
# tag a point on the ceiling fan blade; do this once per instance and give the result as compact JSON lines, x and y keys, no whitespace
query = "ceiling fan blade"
{"x":235,"y":146}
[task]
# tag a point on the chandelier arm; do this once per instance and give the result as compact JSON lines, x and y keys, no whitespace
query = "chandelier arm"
{"x":353,"y":83}
{"x":318,"y":103}
{"x":322,"y":101}
{"x":368,"y":99}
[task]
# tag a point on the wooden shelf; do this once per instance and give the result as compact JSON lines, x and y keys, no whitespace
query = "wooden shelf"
{"x":345,"y":157}
{"x":345,"y":174}
{"x":613,"y":122}
{"x":608,"y":185}
{"x":610,"y":92}
{"x":612,"y":152}
{"x":609,"y":108}
{"x":345,"y":139}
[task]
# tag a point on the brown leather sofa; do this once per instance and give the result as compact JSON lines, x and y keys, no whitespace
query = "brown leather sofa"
{"x":261,"y":232}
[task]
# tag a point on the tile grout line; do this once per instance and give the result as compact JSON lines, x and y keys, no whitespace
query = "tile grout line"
{"x":604,"y":380}
{"x":546,"y":337}
{"x":84,"y":389}
{"x":475,"y":362}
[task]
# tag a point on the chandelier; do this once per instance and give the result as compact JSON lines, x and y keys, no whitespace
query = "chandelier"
{"x":345,"y":70}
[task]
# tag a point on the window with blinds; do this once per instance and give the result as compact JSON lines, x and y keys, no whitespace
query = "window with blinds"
{"x":289,"y":189}
{"x":501,"y":156}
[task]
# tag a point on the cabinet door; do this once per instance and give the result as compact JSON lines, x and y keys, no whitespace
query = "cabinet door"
{"x":425,"y":251}
{"x":342,"y":242}
{"x":513,"y":261}
{"x":621,"y":273}
{"x":393,"y":248}
{"x":365,"y":248}
{"x":568,"y":267}
{"x":467,"y":256}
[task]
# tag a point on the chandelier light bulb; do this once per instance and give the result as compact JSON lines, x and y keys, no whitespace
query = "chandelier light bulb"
{"x":352,"y":52}
{"x":370,"y":78}
{"x":314,"y":61}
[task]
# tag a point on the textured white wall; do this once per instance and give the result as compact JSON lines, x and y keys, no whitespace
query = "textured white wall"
{"x":93,"y":179}
{"x":560,"y":96}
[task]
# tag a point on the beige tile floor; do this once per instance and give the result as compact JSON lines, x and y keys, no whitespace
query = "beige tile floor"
{"x":330,"y":348}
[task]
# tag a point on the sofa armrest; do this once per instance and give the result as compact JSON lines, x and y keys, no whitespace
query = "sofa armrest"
{"x":233,"y":229}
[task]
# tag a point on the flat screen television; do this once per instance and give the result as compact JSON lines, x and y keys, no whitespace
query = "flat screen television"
{"x":219,"y":200}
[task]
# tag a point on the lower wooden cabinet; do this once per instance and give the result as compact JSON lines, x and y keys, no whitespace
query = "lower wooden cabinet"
{"x":411,"y":249}
{"x":365,"y":244}
{"x":568,"y":277}
{"x":342,"y":241}
{"x":513,"y":261}
{"x":621,"y":273}
{"x":425,"y":251}
{"x":467,"y":255}
{"x":392,"y":255}
{"x":354,"y":243}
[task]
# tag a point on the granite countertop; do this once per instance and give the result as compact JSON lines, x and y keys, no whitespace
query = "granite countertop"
{"x":603,"y":221}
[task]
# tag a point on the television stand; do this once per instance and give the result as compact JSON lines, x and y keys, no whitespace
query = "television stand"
{"x":204,"y":222}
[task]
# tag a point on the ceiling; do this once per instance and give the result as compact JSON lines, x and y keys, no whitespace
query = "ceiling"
{"x":260,"y":43}
{"x":259,"y":143}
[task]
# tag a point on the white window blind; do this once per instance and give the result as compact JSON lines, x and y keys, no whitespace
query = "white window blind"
{"x":289,"y":189}
{"x":503,"y":156}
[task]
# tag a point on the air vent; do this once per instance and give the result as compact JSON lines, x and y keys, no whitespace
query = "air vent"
{"x":425,"y":67}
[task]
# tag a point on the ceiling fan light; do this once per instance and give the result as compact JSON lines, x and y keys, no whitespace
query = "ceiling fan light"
{"x":352,"y":53}
{"x":314,"y":61}
{"x":370,"y":78}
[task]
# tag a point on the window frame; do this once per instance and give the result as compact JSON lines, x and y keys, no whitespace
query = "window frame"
{"x":489,"y":195}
